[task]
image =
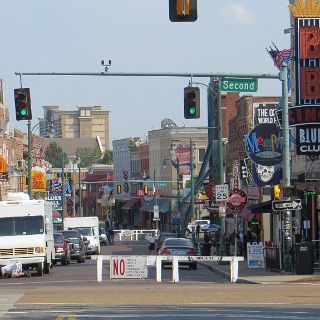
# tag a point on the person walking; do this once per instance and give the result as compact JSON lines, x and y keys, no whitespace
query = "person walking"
{"x":198,"y":230}
{"x":110,"y":236}
{"x":152,"y":242}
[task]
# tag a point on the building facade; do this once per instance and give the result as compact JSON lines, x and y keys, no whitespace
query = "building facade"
{"x":85,"y":122}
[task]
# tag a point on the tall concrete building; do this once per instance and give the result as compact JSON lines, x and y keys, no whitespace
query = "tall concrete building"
{"x":86,"y":122}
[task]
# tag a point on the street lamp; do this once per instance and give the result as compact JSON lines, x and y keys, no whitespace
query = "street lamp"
{"x":78,"y":161}
{"x":72,"y":159}
{"x":178,"y":182}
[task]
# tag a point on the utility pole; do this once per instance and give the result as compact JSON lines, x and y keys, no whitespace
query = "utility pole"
{"x":222,"y":247}
{"x":29,"y":160}
{"x":62,"y":189}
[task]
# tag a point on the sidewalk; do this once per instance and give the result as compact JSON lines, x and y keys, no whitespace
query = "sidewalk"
{"x":261,"y":275}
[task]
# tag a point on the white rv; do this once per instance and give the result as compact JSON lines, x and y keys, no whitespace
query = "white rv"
{"x":26,"y":233}
{"x":89,"y":229}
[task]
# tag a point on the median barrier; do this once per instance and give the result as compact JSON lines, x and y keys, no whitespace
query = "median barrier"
{"x":157,"y":262}
{"x":133,"y":234}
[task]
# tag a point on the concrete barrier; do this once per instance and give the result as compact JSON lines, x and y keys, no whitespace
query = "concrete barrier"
{"x":157,"y":262}
{"x":133,"y":234}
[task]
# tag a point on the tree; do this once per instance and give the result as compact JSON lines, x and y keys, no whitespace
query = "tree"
{"x":107,"y":157}
{"x":53,"y":154}
{"x":88,"y":156}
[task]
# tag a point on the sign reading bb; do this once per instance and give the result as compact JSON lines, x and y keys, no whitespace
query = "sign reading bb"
{"x":128,"y":267}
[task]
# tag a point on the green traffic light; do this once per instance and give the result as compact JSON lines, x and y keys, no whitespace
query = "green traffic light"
{"x":23,"y":112}
{"x":192,"y":110}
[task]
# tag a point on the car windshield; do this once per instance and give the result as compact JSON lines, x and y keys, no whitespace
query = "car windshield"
{"x":74,"y":240}
{"x":58,"y":237}
{"x":86,"y":232}
{"x":166,"y":236}
{"x":16,"y":226}
{"x":178,"y":242}
{"x":71,"y":234}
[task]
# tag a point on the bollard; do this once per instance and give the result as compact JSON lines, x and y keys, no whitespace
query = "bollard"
{"x":175,"y":269}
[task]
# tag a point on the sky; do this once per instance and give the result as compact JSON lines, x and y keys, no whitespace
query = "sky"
{"x":230,"y":36}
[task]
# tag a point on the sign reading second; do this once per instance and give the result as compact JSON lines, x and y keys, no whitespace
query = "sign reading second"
{"x":238,"y":85}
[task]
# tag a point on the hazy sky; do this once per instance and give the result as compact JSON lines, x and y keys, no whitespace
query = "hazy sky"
{"x":75,"y":35}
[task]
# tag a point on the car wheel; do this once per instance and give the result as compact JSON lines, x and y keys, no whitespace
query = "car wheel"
{"x":64,"y":261}
{"x":40,"y":269}
{"x":79,"y":259}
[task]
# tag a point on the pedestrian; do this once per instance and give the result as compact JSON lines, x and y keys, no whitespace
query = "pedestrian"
{"x":110,"y":236}
{"x":198,"y":230}
{"x":14,"y":270}
{"x":152,"y":242}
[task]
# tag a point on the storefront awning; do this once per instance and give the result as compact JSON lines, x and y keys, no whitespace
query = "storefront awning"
{"x":130,"y":204}
{"x":164,"y":205}
{"x":262,"y":207}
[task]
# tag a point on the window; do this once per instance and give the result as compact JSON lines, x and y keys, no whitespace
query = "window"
{"x":16,"y":226}
{"x":201,"y":154}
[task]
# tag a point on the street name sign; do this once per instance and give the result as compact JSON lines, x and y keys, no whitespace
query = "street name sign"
{"x":278,"y":205}
{"x":238,"y":85}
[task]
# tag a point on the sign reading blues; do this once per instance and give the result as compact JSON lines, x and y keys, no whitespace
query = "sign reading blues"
{"x":55,"y":199}
{"x":263,"y":144}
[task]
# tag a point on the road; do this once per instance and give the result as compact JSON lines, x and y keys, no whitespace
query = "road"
{"x":72,"y":292}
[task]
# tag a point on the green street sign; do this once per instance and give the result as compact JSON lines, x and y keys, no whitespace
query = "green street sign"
{"x":162,"y":184}
{"x":238,"y":85}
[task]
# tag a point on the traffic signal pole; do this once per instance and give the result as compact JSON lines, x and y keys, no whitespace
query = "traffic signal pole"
{"x":29,"y":160}
{"x":218,"y":76}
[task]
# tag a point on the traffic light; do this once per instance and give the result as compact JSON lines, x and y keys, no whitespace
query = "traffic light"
{"x":125,"y":175}
{"x":145,"y":189}
{"x":276,"y":192}
{"x":183,"y":10}
{"x":23,"y":104}
{"x":191,"y":103}
{"x":118,"y":188}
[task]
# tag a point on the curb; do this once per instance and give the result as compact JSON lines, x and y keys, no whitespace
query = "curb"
{"x":226,"y":275}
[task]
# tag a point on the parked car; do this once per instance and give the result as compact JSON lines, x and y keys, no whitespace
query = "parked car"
{"x":103,"y":236}
{"x":195,"y":223}
{"x":179,"y":247}
{"x":62,"y":249}
{"x":162,"y":237}
{"x":77,"y":246}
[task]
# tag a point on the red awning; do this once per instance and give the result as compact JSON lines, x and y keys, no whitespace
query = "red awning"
{"x":98,"y":178}
{"x":130,"y":204}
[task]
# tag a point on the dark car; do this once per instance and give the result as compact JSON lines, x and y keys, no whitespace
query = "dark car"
{"x":61,"y":248}
{"x":77,"y":247}
{"x":163,"y":236}
{"x":179,"y":247}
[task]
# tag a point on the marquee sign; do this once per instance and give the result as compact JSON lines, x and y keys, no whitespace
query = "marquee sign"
{"x":307,"y":75}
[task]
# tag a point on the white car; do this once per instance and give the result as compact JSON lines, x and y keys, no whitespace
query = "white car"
{"x":210,"y":227}
{"x":195,"y":223}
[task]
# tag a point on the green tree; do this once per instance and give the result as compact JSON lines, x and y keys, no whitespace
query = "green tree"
{"x":53,"y":154}
{"x":107,"y":157}
{"x":88,"y":156}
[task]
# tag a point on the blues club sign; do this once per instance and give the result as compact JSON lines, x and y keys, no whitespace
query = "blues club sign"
{"x":305,"y":114}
